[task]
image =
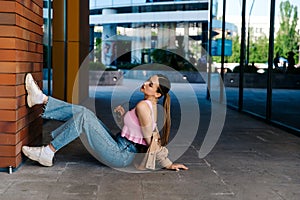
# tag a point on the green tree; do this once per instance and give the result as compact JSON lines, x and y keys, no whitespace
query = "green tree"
{"x":287,"y":36}
{"x":236,"y":46}
{"x":259,"y":50}
{"x":98,"y":48}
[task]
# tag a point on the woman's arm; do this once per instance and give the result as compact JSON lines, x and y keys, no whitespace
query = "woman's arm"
{"x":145,"y":118}
{"x":144,"y":115}
{"x":164,"y":161}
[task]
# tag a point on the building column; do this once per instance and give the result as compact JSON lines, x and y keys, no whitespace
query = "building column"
{"x":166,"y":36}
{"x":70,"y":49}
{"x":136,"y":44}
{"x":205,"y":35}
{"x":186,"y":40}
{"x":21,"y":52}
{"x":108,"y":53}
{"x":92,"y":38}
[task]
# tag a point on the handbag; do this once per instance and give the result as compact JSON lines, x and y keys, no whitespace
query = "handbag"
{"x":148,"y":158}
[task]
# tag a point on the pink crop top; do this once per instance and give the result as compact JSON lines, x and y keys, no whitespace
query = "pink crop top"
{"x":132,"y":129}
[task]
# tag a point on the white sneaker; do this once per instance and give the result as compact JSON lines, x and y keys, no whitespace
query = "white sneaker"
{"x":38,"y":154}
{"x":35,"y":95}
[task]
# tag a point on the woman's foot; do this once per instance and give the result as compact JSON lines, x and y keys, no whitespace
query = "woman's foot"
{"x":39,"y":154}
{"x":35,"y":95}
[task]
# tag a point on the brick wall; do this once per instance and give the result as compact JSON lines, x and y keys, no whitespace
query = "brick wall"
{"x":21,"y":51}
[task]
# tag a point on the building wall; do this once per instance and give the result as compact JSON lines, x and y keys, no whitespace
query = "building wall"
{"x":260,"y":25}
{"x":21,"y":51}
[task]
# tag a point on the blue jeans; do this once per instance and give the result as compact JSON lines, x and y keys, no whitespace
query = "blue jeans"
{"x":82,"y":122}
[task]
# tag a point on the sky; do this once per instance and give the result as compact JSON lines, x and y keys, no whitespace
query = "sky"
{"x":260,"y":7}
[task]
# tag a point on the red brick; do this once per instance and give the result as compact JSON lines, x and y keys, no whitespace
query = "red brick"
{"x":8,"y":103}
{"x":29,"y":56}
{"x":9,"y":138}
{"x":29,"y":25}
{"x":12,"y":79}
{"x":15,"y":138}
{"x":12,"y":91}
{"x":15,"y":161}
{"x":13,"y":127}
{"x":7,"y":55}
{"x":16,"y":55}
{"x":32,"y":47}
{"x":38,"y":76}
{"x":7,"y":18}
{"x":14,"y":150}
{"x":16,"y":67}
{"x":7,"y":91}
{"x":12,"y":103}
{"x":10,"y":161}
{"x":7,"y":6}
{"x":15,"y":43}
{"x":9,"y":127}
{"x":8,"y":31}
{"x":37,"y":67}
{"x":7,"y":79}
{"x":13,"y":115}
{"x":21,"y":51}
{"x":38,"y":3}
{"x":8,"y":115}
{"x":7,"y":43}
{"x":21,"y":112}
{"x":26,"y":4}
{"x":10,"y":150}
{"x":40,"y":48}
{"x":15,"y":91}
{"x":18,"y":32}
{"x":28,"y":14}
{"x":34,"y":6}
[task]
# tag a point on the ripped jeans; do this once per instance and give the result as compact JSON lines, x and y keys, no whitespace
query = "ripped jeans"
{"x":82,"y":122}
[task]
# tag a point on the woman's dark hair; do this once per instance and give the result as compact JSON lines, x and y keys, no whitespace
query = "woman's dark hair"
{"x":163,"y":89}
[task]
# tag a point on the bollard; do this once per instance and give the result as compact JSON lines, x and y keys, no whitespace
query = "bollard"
{"x":10,"y":170}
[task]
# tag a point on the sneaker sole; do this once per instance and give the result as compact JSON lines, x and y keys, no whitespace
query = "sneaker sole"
{"x":27,"y":79}
{"x":34,"y":158}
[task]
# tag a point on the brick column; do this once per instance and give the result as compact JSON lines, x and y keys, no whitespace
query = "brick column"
{"x":21,"y":51}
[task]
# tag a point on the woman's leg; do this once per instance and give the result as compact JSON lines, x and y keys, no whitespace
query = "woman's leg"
{"x":79,"y":120}
{"x":54,"y":108}
{"x":60,"y":110}
{"x":95,"y":136}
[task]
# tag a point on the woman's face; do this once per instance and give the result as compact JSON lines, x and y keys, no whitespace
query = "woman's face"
{"x":150,"y":87}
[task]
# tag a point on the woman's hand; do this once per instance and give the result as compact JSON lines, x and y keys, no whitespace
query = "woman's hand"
{"x":119,"y":110}
{"x":177,"y":167}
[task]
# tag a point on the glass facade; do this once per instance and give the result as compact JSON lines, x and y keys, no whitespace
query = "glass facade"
{"x":129,"y":33}
{"x":269,"y":90}
{"x":47,"y":44}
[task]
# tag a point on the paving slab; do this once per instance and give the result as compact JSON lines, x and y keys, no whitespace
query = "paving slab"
{"x":251,"y":161}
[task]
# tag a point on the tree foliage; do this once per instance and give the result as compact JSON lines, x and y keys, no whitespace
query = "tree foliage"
{"x":236,"y":48}
{"x":287,"y":36}
{"x":259,"y":50}
{"x":286,"y":40}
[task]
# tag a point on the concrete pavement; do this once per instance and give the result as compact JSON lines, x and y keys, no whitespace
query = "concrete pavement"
{"x":251,"y":161}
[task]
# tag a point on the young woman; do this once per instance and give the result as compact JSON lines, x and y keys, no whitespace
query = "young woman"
{"x":139,"y":124}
